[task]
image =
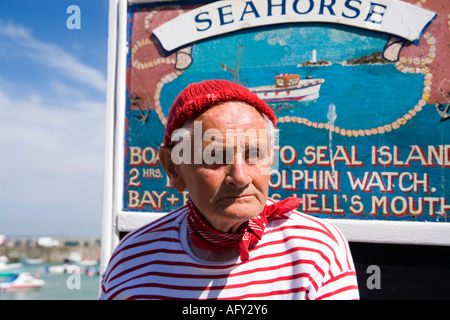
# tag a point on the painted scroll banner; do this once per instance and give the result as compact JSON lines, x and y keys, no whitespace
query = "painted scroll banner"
{"x":389,"y":16}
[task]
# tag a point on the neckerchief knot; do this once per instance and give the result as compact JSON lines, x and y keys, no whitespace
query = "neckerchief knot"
{"x":205,"y":237}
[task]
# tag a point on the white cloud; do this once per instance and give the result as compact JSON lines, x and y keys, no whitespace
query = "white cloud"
{"x":52,"y":161}
{"x":53,"y":56}
{"x":51,"y":149}
{"x":51,"y":142}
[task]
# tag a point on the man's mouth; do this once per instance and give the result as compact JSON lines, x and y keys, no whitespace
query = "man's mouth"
{"x":240,"y":197}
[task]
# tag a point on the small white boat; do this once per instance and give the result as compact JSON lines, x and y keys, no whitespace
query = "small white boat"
{"x":78,"y":259}
{"x":88,"y":263}
{"x":9,"y":269}
{"x":63,"y":268}
{"x":66,"y":268}
{"x":23,"y":280}
{"x":56,"y":269}
{"x":289,"y":87}
{"x":9,"y":266}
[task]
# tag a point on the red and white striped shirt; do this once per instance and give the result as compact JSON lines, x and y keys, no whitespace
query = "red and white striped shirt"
{"x":298,"y":257}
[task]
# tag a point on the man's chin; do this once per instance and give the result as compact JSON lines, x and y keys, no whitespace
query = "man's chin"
{"x":244,"y":210}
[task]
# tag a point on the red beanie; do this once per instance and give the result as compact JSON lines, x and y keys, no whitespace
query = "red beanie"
{"x":199,"y":97}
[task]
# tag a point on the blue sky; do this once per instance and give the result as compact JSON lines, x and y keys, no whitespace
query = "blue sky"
{"x":52,"y":117}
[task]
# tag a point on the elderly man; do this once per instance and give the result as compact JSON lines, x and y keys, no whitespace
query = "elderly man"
{"x":230,"y":241}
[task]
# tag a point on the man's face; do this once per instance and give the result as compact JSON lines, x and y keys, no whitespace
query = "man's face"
{"x":234,"y":190}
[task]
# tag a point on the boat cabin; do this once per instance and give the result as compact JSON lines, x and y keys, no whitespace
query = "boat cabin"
{"x":286,"y":80}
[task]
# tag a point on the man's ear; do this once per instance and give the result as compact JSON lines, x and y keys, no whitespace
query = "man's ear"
{"x":172,"y":169}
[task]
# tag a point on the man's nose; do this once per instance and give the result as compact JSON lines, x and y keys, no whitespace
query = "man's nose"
{"x":237,"y":173}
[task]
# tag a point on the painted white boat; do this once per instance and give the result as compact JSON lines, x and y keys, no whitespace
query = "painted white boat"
{"x":289,"y":87}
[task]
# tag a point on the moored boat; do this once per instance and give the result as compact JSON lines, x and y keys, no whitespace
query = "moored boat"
{"x":23,"y":280}
{"x":5,"y":266}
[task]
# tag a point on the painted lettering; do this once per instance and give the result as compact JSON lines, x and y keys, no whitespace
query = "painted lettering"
{"x":385,"y":182}
{"x":285,"y":159}
{"x":376,"y":13}
{"x":323,"y":156}
{"x":295,"y":180}
{"x":138,"y":156}
{"x":208,"y":20}
{"x":314,"y":203}
{"x":432,"y":157}
{"x":148,"y":198}
{"x":354,"y":9}
{"x":252,"y":10}
{"x":204,"y":20}
{"x":270,"y":5}
{"x":329,"y":6}
{"x":401,"y":206}
{"x":296,"y":9}
{"x":357,"y":207}
{"x":224,"y":15}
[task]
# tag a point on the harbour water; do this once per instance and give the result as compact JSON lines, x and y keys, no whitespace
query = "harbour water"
{"x":61,"y":286}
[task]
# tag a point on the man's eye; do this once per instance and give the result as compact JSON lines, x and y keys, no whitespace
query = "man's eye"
{"x":228,"y":156}
{"x":219,"y":156}
{"x":252,"y":155}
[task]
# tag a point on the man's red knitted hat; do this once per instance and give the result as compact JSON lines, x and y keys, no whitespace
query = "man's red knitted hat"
{"x":199,"y":97}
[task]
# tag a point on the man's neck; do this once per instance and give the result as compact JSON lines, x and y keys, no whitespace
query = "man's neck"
{"x":212,"y":255}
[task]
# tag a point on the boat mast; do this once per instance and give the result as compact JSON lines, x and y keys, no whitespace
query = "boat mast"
{"x":235,"y":71}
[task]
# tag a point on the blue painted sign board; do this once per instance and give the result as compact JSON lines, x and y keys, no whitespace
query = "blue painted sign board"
{"x":365,"y":135}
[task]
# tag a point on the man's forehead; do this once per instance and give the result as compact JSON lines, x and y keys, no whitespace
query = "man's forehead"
{"x":231,"y":114}
{"x":229,"y":135}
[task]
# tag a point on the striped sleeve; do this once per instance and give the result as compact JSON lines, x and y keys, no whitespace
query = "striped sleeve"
{"x":341,"y":285}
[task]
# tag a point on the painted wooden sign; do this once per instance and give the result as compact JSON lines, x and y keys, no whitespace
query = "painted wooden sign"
{"x":360,"y":89}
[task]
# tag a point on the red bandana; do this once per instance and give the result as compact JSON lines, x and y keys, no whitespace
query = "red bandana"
{"x":205,"y":237}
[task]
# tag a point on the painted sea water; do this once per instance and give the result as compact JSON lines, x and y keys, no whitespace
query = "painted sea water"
{"x":372,"y":93}
{"x":364,"y":84}
{"x":258,"y":55}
